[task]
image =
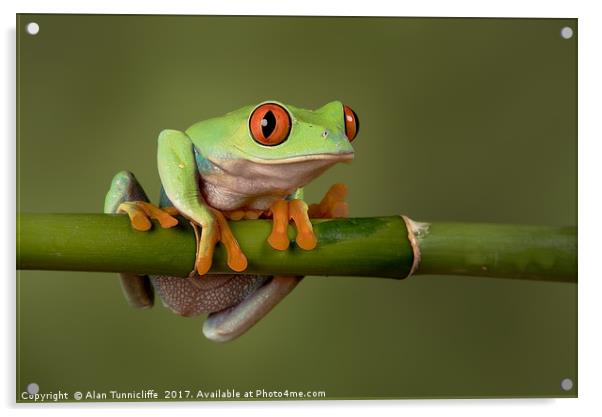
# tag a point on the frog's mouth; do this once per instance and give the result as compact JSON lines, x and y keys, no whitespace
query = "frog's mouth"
{"x":233,"y":321}
{"x":332,"y":157}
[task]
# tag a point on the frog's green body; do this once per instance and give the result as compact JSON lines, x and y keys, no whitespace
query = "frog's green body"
{"x":241,"y":165}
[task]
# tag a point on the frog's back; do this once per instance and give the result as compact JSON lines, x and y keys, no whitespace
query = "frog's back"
{"x":210,"y":134}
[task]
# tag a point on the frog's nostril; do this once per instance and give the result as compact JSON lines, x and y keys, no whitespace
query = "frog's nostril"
{"x":325,"y":134}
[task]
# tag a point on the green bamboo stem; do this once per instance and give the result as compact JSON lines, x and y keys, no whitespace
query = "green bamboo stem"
{"x":369,"y":247}
{"x":522,"y":252}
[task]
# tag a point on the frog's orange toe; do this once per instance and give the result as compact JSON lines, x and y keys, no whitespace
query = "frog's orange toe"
{"x":252,"y":214}
{"x":167,"y":221}
{"x":140,"y":222}
{"x":203,"y":265}
{"x":237,"y":261}
{"x":279,"y":241}
{"x":236,"y":215}
{"x":306,"y":240}
{"x":340,"y":210}
{"x":165,"y":218}
{"x":337,"y":192}
{"x":138,"y":217}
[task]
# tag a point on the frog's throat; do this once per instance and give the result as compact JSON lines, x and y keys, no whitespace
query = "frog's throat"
{"x":334,"y":157}
{"x":230,"y":184}
{"x":249,"y":177}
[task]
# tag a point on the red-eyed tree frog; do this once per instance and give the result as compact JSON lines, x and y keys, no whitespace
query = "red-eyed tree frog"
{"x":247,"y":164}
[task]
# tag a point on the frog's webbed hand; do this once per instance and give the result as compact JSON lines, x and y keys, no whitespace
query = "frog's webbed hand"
{"x":333,"y":205}
{"x":179,"y":176}
{"x":282,"y":212}
{"x":125,"y":189}
{"x":141,"y":212}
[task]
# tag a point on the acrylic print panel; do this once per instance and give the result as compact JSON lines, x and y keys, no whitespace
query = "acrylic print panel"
{"x":462,"y":120}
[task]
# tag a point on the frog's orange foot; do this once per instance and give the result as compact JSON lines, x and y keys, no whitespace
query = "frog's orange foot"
{"x":333,"y":205}
{"x":211,"y":233}
{"x":296,"y":210}
{"x":140,"y":213}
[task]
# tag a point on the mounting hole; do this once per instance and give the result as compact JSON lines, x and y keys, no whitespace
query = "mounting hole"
{"x":566,"y":32}
{"x":566,"y":384}
{"x":32,"y":28}
{"x":33,"y":388}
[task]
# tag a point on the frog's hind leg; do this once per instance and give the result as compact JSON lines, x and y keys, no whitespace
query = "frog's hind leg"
{"x":230,"y":323}
{"x":125,"y":188}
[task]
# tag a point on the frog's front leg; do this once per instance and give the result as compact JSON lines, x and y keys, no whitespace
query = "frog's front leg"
{"x":179,"y":176}
{"x":126,"y":194}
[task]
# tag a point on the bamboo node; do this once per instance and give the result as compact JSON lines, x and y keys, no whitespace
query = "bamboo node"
{"x":416,"y":230}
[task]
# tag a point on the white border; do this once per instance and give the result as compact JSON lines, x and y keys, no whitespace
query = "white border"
{"x":590,"y":289}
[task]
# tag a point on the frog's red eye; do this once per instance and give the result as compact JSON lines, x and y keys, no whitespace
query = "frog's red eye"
{"x":270,"y":124}
{"x":352,"y":123}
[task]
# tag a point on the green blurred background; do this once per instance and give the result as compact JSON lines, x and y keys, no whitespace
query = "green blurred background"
{"x":461,"y":120}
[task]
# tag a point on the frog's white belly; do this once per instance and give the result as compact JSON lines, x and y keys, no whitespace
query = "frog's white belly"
{"x":243,"y":184}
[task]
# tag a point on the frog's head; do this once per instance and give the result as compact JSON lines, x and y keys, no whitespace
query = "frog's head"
{"x":274,"y":140}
